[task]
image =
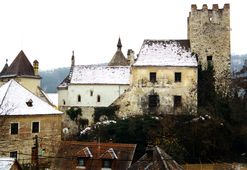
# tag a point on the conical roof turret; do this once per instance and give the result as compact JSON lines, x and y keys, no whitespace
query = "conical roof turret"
{"x":118,"y":59}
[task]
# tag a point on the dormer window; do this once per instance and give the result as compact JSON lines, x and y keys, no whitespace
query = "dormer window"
{"x":29,"y":103}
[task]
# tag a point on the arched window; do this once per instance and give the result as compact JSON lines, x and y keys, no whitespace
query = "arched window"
{"x":98,"y":98}
{"x":79,"y":98}
{"x":64,"y":102}
{"x":91,"y":92}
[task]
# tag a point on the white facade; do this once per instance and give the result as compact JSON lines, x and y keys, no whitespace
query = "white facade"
{"x":91,"y":95}
{"x":93,"y":86}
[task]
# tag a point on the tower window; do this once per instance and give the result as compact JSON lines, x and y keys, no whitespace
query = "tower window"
{"x":210,"y":61}
{"x":64,"y":102}
{"x":79,"y":98}
{"x":13,"y":154}
{"x":98,"y":98}
{"x":177,"y":101}
{"x":153,"y":101}
{"x":178,"y":77}
{"x":152,"y":77}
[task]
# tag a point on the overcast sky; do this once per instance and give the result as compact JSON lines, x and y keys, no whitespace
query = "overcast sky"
{"x":48,"y":30}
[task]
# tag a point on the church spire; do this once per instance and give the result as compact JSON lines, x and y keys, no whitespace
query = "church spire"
{"x":119,"y":44}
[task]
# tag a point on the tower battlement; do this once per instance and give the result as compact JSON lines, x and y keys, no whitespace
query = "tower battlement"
{"x":215,"y":7}
{"x":209,"y":35}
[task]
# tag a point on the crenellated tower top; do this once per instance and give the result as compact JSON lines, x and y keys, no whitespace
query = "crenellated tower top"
{"x":209,"y":35}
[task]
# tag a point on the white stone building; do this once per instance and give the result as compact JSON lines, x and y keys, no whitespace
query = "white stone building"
{"x":90,"y":86}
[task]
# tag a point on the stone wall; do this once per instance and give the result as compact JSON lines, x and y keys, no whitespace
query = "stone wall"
{"x":209,"y":35}
{"x":49,"y":137}
{"x":72,"y":127}
{"x":135,"y":101}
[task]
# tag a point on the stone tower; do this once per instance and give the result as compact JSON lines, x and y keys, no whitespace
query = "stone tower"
{"x":209,"y":35}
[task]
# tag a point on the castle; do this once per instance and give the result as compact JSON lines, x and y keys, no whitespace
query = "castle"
{"x":163,"y":78}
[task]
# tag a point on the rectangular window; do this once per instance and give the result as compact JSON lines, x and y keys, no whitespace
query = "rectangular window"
{"x":177,"y":101}
{"x":35,"y":127}
{"x":14,"y":128}
{"x":210,"y":61}
{"x":81,"y":161}
{"x":98,"y":98}
{"x":13,"y":154}
{"x":152,"y":77}
{"x":178,"y":77}
{"x":107,"y":163}
{"x":153,"y":101}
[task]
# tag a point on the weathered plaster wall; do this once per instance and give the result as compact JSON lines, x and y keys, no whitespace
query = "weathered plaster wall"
{"x":136,"y":100}
{"x":48,"y":137}
{"x":29,"y":83}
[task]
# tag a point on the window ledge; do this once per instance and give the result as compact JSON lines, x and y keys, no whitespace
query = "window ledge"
{"x":80,"y":167}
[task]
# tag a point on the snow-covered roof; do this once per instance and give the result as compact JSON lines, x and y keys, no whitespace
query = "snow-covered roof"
{"x":91,"y":74}
{"x":14,"y":100}
{"x":6,"y":163}
{"x":53,"y":97}
{"x":166,"y":53}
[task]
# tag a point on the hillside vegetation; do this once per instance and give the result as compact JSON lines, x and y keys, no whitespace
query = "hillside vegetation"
{"x":52,"y":78}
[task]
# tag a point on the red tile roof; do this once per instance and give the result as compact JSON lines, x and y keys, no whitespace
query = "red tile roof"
{"x":70,"y":151}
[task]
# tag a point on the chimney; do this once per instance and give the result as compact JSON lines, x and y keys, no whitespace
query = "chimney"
{"x":36,"y":67}
{"x":131,"y":56}
{"x":73,"y":59}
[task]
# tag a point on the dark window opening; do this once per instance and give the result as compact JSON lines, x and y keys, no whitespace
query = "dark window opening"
{"x":107,"y":163}
{"x":29,"y":103}
{"x":210,"y":61}
{"x":64,"y":102}
{"x":79,"y":98}
{"x":153,"y":100}
{"x":14,"y":128}
{"x":178,"y":77}
{"x":152,"y":77}
{"x":13,"y":154}
{"x":98,"y":98}
{"x":35,"y":127}
{"x":91,"y":92}
{"x":177,"y":101}
{"x":81,"y":161}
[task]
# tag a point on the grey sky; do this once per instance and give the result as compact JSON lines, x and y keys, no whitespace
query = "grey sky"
{"x":49,"y":30}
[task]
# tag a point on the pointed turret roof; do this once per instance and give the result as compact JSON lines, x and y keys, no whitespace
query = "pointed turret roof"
{"x":6,"y":66}
{"x":119,"y":44}
{"x":67,"y":80}
{"x":118,"y":59}
{"x":20,"y":66}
